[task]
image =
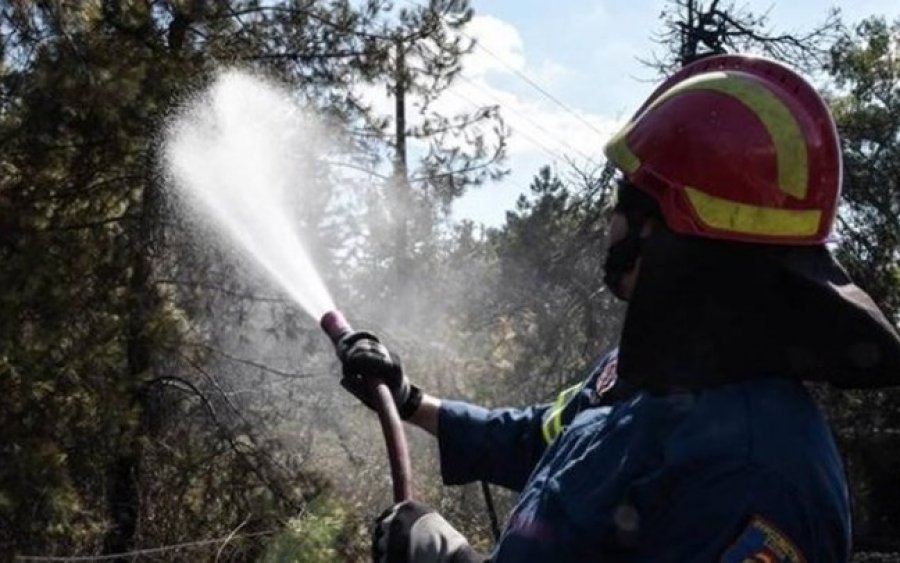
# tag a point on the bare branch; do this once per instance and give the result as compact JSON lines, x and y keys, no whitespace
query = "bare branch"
{"x":263,"y":367}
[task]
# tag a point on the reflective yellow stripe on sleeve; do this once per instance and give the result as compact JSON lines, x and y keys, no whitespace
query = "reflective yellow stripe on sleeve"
{"x":552,"y":424}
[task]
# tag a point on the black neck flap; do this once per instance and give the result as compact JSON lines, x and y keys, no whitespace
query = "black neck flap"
{"x":707,"y":312}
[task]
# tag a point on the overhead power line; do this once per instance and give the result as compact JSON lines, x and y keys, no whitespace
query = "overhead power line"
{"x":555,"y":155}
{"x":535,"y":124}
{"x":524,"y":77}
{"x":549,"y":151}
{"x":536,"y":86}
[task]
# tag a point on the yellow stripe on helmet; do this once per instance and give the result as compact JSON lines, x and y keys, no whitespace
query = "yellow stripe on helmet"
{"x":776,"y":117}
{"x":790,"y":145}
{"x":617,"y":151}
{"x":748,"y":219}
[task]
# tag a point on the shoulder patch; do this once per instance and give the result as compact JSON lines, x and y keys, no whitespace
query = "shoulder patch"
{"x":762,"y":542}
{"x":606,"y":380}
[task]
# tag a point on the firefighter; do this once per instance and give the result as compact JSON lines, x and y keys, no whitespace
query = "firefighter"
{"x":696,"y":439}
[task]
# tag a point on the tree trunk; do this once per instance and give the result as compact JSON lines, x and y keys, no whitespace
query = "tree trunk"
{"x":124,"y":493}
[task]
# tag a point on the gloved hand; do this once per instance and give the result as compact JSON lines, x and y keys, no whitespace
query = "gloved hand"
{"x":363,"y":357}
{"x":411,"y":532}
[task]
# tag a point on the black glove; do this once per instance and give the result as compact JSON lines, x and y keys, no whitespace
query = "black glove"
{"x":363,"y":357}
{"x":411,"y":532}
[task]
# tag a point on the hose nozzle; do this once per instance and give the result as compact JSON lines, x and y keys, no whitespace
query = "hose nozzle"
{"x":335,"y":326}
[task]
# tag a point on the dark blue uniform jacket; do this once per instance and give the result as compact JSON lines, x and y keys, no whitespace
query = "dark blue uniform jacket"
{"x":741,"y":472}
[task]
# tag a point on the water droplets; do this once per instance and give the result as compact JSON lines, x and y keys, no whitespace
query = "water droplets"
{"x":232,"y":153}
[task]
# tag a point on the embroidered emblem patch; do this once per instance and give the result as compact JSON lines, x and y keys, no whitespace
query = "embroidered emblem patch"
{"x":606,"y":380}
{"x":762,"y":542}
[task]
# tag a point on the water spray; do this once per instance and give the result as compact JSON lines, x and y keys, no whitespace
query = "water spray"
{"x":231,"y":155}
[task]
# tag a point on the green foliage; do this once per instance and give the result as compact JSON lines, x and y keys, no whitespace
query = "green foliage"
{"x":866,"y":67}
{"x":314,"y":537}
{"x":553,"y":312}
{"x":866,"y":70}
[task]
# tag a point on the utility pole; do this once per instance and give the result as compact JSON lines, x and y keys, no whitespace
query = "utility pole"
{"x":400,"y":80}
{"x":401,"y":195}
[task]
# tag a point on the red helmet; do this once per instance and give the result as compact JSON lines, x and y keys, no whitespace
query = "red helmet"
{"x":736,"y":147}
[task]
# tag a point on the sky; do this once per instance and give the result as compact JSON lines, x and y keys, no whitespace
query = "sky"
{"x":584,"y":53}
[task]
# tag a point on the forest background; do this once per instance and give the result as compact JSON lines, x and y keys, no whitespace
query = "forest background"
{"x":157,"y":395}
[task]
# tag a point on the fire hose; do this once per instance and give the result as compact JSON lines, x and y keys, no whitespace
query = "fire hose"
{"x":336,"y":327}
